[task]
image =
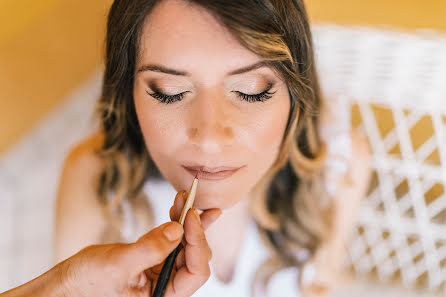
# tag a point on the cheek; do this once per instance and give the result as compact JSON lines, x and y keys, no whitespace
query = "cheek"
{"x":258,"y":132}
{"x":158,"y":132}
{"x":161,"y":129}
{"x":267,"y":134}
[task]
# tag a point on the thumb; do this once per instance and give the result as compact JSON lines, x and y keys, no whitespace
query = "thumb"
{"x":151,"y":249}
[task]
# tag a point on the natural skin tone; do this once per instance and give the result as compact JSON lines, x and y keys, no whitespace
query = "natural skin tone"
{"x":211,"y":125}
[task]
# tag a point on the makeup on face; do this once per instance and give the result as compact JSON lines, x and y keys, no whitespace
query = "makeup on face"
{"x":203,"y":99}
{"x":249,"y":84}
{"x":212,"y":173}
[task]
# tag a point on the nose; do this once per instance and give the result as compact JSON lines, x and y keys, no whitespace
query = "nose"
{"x":210,"y":129}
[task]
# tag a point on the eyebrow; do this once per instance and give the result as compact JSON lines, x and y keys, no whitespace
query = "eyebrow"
{"x":163,"y":69}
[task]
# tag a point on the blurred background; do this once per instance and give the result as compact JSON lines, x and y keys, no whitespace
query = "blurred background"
{"x":387,"y":59}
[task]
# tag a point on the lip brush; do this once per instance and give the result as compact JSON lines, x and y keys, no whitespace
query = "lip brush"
{"x":166,"y":271}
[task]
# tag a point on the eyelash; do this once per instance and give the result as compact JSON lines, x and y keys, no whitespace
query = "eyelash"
{"x":166,"y":98}
{"x":263,"y":96}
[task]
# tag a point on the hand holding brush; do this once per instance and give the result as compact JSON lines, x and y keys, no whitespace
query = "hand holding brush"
{"x":189,"y":262}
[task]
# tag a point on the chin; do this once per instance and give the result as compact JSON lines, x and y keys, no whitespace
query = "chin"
{"x":203,"y":202}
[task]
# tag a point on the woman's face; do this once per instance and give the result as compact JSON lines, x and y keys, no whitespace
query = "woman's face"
{"x":187,"y":54}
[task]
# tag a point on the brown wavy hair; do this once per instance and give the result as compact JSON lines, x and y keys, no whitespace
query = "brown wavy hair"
{"x":289,"y":205}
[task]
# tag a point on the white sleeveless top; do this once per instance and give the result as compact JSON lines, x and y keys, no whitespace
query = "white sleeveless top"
{"x":252,"y":253}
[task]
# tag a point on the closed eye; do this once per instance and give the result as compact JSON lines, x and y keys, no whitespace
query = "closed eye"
{"x":166,"y":98}
{"x":260,"y":97}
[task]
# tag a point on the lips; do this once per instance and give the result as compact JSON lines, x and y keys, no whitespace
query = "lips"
{"x":212,"y":173}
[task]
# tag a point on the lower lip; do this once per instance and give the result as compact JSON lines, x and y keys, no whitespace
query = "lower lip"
{"x":214,"y":175}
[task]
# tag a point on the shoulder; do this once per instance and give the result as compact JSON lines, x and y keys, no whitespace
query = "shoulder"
{"x":81,"y":172}
{"x":361,"y":153}
{"x":78,"y":208}
{"x":82,"y":156}
{"x":359,"y":144}
{"x":356,"y":182}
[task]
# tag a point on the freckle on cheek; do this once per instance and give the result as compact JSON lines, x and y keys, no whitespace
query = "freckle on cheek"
{"x":193,"y":133}
{"x":228,"y":132}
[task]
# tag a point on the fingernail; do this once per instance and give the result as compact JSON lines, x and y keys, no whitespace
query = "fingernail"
{"x":173,"y":231}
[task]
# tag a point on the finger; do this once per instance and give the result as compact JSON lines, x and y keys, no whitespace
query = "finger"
{"x":151,"y":249}
{"x":156,"y":269}
{"x":209,"y":216}
{"x":139,"y":282}
{"x":197,"y":255}
{"x":195,"y":236}
{"x":180,"y":261}
{"x":178,"y":204}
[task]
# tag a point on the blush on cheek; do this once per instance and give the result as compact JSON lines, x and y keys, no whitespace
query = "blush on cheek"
{"x":269,"y":135}
{"x":160,"y":130}
{"x":270,"y":132}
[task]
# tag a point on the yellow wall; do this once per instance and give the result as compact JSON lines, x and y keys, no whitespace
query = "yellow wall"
{"x":17,"y":15}
{"x":401,"y":14}
{"x":48,"y":47}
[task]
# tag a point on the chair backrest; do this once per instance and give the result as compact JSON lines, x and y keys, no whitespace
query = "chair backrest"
{"x":396,"y":85}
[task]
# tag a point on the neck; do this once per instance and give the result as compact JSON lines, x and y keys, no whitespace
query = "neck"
{"x":225,"y":238}
{"x":235,"y":215}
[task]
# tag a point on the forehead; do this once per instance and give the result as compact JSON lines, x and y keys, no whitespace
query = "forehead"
{"x":184,"y":35}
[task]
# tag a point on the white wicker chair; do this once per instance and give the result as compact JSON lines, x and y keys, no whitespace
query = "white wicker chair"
{"x":396,"y":86}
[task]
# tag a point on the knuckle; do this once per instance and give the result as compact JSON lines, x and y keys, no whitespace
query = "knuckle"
{"x":201,"y":238}
{"x":110,"y":269}
{"x":157,"y":254}
{"x":206,"y":274}
{"x":155,"y":250}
